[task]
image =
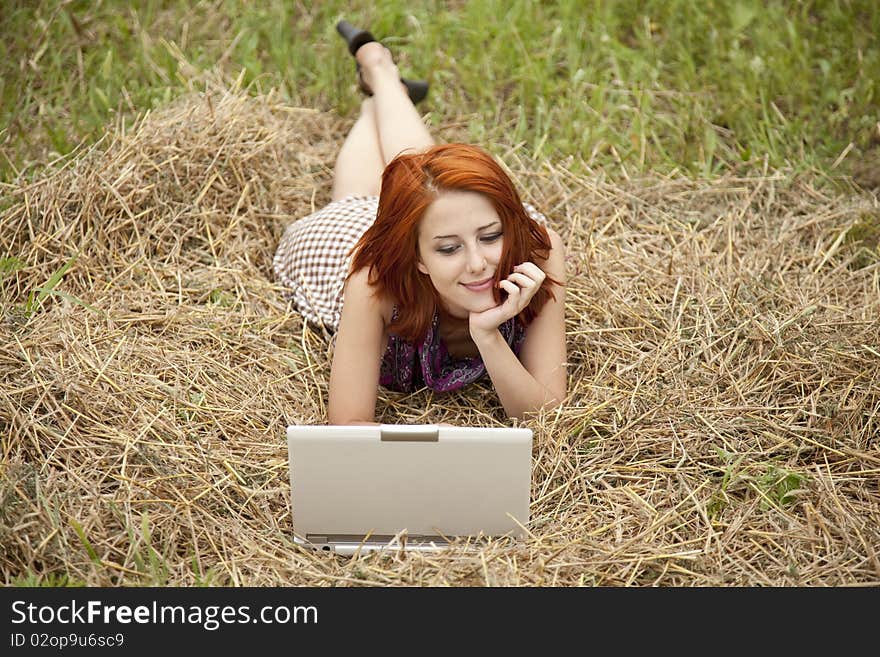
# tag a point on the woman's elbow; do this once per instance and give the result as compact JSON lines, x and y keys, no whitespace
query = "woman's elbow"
{"x":550,"y":402}
{"x":347,"y":419}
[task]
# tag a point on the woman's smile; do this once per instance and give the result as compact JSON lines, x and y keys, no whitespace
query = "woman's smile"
{"x":480,"y":286}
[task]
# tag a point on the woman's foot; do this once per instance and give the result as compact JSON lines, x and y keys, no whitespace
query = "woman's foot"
{"x":376,"y":67}
{"x":375,"y":63}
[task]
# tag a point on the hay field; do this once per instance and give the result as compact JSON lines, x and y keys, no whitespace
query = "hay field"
{"x":723,"y":415}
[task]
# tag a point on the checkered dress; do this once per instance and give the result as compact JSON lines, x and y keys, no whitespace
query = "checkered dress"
{"x":312,"y":259}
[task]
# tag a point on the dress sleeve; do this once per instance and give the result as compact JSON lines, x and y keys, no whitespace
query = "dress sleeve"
{"x":534,"y":214}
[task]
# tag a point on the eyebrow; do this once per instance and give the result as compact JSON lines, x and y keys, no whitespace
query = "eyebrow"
{"x":443,"y":237}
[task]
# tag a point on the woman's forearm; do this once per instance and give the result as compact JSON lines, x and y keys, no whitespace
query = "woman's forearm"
{"x":518,"y":391}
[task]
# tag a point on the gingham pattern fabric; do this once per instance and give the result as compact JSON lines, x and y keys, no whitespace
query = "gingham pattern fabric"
{"x":312,"y":259}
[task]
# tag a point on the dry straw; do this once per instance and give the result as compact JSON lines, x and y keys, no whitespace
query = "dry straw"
{"x":724,"y":409}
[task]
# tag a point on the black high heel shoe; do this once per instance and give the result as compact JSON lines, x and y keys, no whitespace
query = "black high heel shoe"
{"x":355,"y":38}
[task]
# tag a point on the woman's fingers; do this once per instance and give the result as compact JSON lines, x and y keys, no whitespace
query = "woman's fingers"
{"x":519,"y":293}
{"x":531,"y":270}
{"x":509,"y":286}
{"x":521,"y":285}
{"x":522,"y":280}
{"x":527,"y":283}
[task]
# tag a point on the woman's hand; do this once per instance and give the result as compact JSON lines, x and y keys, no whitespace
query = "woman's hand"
{"x":520,"y":286}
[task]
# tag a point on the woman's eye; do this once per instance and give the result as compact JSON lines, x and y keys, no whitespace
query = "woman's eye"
{"x":449,"y":250}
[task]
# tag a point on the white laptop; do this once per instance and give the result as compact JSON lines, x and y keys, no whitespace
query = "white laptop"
{"x":412,"y":487}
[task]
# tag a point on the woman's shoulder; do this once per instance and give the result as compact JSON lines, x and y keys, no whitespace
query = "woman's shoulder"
{"x":556,"y":243}
{"x":554,"y":263}
{"x":359,"y":284}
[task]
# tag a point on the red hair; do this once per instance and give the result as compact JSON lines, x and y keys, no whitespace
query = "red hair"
{"x":389,"y":248}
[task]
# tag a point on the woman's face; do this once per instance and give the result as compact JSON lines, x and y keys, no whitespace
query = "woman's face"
{"x":460,"y":245}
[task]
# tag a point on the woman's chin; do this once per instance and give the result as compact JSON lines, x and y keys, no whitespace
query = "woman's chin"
{"x":481,"y":305}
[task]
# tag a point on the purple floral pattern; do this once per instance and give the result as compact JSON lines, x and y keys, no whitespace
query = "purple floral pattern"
{"x":407,"y":367}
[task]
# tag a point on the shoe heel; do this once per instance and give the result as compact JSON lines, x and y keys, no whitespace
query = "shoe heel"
{"x":417,"y":90}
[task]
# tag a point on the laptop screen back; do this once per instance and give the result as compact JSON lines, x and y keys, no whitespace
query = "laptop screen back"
{"x":426,"y":480}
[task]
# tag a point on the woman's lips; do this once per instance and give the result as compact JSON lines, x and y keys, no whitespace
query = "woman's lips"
{"x":479,"y":286}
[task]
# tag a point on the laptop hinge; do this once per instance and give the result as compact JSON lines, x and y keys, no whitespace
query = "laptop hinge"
{"x":427,"y":433}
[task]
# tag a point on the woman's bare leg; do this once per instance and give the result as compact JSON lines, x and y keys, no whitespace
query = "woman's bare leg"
{"x":359,"y":165}
{"x":388,"y":125}
{"x":399,"y":125}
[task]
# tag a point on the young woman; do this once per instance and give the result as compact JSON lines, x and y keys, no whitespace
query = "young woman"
{"x":426,"y":265}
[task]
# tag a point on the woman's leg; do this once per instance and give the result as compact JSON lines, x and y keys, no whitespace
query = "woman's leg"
{"x":359,"y":165}
{"x":398,"y":123}
{"x":388,"y":124}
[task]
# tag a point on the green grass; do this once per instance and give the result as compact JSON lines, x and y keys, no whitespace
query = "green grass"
{"x":657,"y":85}
{"x":29,"y":579}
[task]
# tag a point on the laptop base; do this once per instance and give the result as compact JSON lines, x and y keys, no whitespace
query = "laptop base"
{"x":350,"y":545}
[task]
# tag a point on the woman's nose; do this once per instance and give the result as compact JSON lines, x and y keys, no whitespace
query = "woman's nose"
{"x":476,"y":260}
